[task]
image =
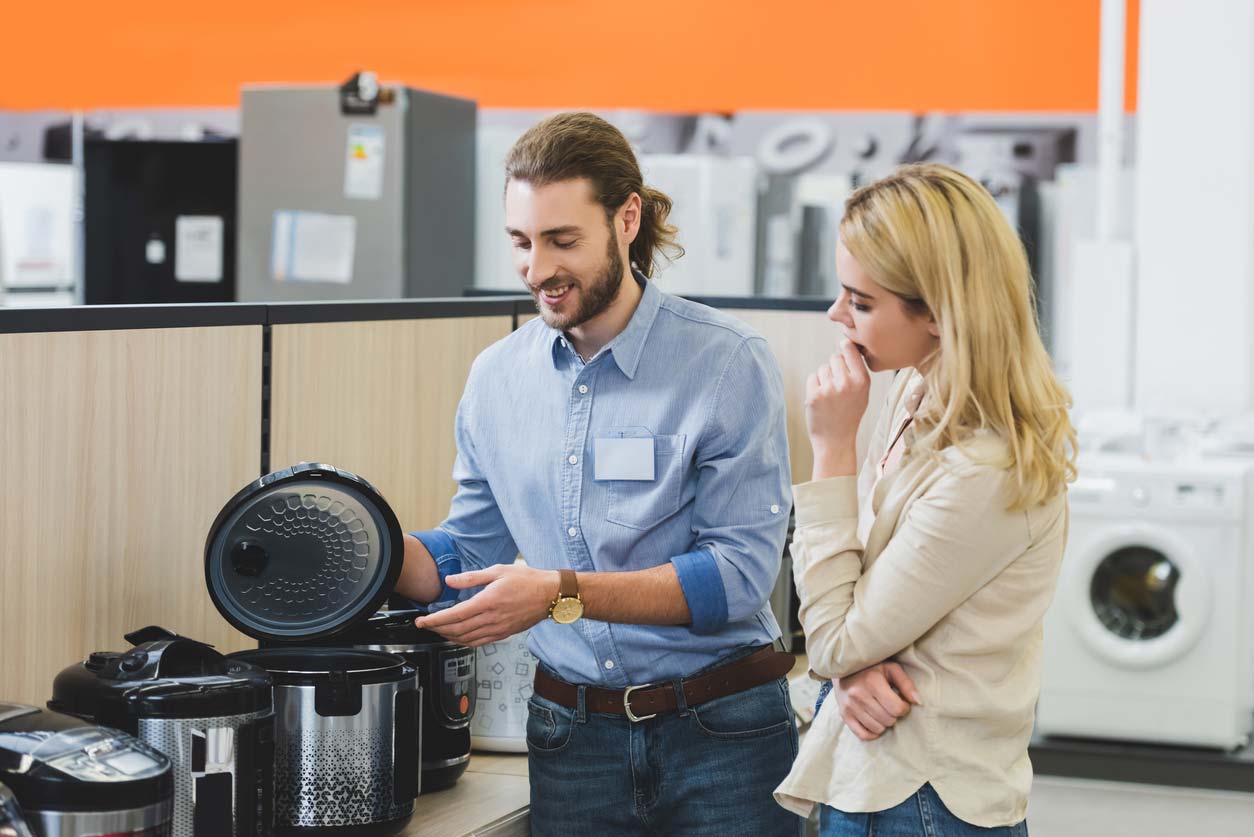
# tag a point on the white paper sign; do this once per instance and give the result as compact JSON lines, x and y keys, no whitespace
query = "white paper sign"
{"x":37,"y":224}
{"x":313,"y":247}
{"x":198,"y":241}
{"x":363,"y":166}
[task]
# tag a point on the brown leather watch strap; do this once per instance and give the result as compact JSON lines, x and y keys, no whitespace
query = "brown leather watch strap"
{"x":638,"y":702}
{"x":568,"y":588}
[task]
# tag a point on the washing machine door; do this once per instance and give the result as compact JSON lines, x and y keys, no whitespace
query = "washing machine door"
{"x":1137,"y":594}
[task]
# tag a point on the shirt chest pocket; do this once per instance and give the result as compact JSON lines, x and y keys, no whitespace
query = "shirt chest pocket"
{"x":642,"y":504}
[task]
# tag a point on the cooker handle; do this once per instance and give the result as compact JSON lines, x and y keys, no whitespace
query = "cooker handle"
{"x":155,"y":633}
{"x":407,"y":743}
{"x":152,"y":633}
{"x":392,"y":618}
{"x":337,"y":696}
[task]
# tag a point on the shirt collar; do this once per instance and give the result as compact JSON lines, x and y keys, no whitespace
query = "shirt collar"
{"x":628,"y":346}
{"x":914,"y":398}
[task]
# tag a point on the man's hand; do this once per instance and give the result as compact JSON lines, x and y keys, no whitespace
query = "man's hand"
{"x":871,"y":701}
{"x":515,"y":598}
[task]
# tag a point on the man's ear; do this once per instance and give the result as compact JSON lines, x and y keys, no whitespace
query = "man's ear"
{"x":629,"y":217}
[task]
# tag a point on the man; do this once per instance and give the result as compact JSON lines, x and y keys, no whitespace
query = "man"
{"x":631,"y":446}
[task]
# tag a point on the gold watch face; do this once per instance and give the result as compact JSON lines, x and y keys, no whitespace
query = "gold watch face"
{"x":567,"y":610}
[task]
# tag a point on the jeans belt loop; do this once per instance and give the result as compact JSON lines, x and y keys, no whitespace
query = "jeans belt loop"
{"x":681,"y":700}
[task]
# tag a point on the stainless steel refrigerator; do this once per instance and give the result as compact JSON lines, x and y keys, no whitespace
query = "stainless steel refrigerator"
{"x":345,"y":194}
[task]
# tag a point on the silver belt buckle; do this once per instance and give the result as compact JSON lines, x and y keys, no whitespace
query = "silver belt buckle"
{"x":632,"y":716}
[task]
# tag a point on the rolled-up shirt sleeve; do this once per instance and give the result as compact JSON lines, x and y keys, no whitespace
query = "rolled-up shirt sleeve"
{"x":740,"y":518}
{"x":953,"y":540}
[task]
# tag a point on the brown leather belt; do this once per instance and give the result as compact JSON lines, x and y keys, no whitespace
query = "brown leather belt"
{"x":640,"y":703}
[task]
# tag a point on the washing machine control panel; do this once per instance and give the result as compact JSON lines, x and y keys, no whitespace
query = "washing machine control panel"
{"x":1201,"y":494}
{"x":1137,"y":495}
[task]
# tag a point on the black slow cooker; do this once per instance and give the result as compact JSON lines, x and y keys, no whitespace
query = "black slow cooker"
{"x":75,"y":779}
{"x":449,"y":681}
{"x":211,"y":716}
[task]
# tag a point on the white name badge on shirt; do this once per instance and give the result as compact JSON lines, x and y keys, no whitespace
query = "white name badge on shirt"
{"x":623,"y":459}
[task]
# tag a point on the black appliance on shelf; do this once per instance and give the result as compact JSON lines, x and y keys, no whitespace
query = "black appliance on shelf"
{"x":159,"y":221}
{"x":211,"y":716}
{"x":73,"y":779}
{"x":449,"y":681}
{"x":297,"y":559}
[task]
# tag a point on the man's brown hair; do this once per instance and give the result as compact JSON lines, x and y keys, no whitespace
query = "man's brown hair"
{"x":583,"y":145}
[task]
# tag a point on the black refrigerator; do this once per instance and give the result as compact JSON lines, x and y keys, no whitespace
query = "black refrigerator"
{"x":159,"y":221}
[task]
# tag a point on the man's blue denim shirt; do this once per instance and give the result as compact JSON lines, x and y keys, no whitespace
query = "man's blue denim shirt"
{"x":707,"y":390}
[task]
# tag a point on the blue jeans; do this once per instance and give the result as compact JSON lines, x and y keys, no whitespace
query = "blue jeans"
{"x":703,"y":770}
{"x":825,"y":689}
{"x":921,"y":815}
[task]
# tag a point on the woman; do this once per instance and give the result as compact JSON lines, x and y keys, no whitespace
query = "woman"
{"x":928,"y":575}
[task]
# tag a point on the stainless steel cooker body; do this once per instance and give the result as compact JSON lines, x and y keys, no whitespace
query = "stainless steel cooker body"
{"x":345,"y":770}
{"x":220,"y":764}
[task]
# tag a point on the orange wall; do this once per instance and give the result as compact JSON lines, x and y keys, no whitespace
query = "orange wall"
{"x":658,"y":54}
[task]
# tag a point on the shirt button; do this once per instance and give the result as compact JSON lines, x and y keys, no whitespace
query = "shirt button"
{"x":583,"y":389}
{"x":774,"y":509}
{"x":574,"y":460}
{"x":572,"y":531}
{"x":609,"y":663}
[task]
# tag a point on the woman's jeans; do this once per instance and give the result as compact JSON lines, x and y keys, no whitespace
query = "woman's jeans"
{"x":921,"y":815}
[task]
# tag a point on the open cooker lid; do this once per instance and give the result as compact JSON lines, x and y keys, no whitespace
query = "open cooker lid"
{"x":303,"y":554}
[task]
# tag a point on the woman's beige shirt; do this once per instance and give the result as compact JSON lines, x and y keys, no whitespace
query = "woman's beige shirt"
{"x":931,"y":570}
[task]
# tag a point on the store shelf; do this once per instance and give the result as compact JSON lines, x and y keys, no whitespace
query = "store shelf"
{"x":1119,"y":761}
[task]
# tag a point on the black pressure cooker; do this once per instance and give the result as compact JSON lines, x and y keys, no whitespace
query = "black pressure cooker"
{"x":211,"y":716}
{"x":296,"y":560}
{"x":448,"y":679}
{"x":74,"y":779}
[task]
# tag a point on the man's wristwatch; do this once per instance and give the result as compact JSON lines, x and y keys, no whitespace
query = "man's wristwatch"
{"x":567,"y":607}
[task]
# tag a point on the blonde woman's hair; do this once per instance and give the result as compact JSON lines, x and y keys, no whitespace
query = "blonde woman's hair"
{"x":936,"y":238}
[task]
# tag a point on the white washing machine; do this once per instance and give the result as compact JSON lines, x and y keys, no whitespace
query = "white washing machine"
{"x":1149,"y":634}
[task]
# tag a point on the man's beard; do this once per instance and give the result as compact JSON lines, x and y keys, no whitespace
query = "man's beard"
{"x":594,"y":297}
